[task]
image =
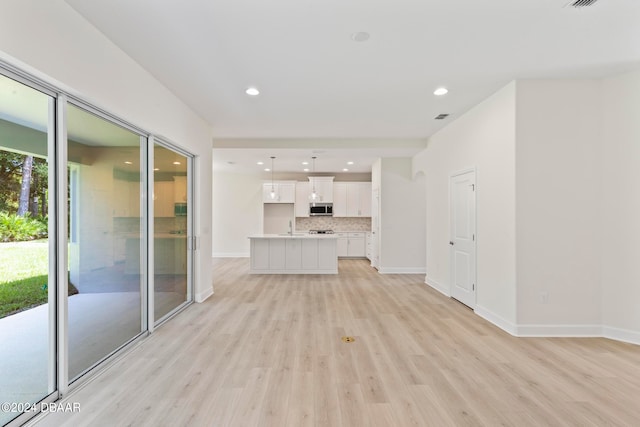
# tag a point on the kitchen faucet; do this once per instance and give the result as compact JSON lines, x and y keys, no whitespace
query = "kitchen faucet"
{"x":290,"y":228}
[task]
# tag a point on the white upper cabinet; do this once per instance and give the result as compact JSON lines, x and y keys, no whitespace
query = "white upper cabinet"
{"x":365,"y":199}
{"x":323,"y":186}
{"x":302,"y":199}
{"x":339,"y":199}
{"x":163,"y":204}
{"x":285,"y":192}
{"x":352,"y":199}
{"x":180,"y":190}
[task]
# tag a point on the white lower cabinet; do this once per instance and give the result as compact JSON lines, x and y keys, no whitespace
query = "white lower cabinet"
{"x":309,"y":254}
{"x":327,"y":255}
{"x":351,"y":245}
{"x":277,"y":254}
{"x":260,"y":254}
{"x":343,"y":244}
{"x":357,"y":246}
{"x":293,"y":255}
{"x":293,"y":259}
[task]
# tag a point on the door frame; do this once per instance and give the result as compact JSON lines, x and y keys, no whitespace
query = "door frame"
{"x":192,"y":243}
{"x":452,"y":266}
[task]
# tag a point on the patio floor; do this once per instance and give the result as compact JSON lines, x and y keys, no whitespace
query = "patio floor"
{"x":98,"y":324}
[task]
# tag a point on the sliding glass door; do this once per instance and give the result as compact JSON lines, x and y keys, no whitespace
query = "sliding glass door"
{"x":95,"y":240}
{"x":171,"y":231}
{"x":106,"y":240}
{"x":27,"y":238}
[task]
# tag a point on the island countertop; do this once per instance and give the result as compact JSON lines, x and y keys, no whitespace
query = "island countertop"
{"x":293,"y":236}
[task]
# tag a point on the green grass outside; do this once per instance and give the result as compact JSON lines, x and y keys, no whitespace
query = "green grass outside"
{"x":22,"y":294}
{"x":21,"y":260}
{"x":24,"y":270}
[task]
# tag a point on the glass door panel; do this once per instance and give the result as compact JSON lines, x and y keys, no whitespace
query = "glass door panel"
{"x":171,"y":229}
{"x":27,"y":273}
{"x":106,"y":241}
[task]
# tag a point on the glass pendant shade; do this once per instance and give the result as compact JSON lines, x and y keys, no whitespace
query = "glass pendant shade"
{"x":272,"y":195}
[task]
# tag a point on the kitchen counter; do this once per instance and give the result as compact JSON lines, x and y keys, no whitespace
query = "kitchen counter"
{"x":293,"y":236}
{"x":297,"y":253}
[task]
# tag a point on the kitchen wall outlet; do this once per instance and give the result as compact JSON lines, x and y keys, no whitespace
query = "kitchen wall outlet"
{"x":544,"y":297}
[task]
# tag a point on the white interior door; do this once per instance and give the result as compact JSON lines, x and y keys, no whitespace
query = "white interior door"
{"x":463,"y":237}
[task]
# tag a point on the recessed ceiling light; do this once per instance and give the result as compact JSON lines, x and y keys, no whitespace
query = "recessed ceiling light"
{"x":306,"y":169}
{"x":360,"y":36}
{"x":156,"y":169}
{"x":441,"y":91}
{"x":260,"y":163}
{"x":349,"y":163}
{"x":252,"y":91}
{"x":128,"y":163}
{"x":305,"y":163}
{"x":176,"y":163}
{"x":267,"y":169}
{"x":345,"y":170}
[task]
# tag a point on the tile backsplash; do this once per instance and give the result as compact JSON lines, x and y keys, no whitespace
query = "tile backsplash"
{"x":331,"y":223}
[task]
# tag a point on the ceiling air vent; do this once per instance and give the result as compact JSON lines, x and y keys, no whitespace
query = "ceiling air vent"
{"x":582,"y":3}
{"x":441,"y":116}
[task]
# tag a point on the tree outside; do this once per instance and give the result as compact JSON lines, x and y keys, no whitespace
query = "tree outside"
{"x":23,"y":232}
{"x":23,"y":184}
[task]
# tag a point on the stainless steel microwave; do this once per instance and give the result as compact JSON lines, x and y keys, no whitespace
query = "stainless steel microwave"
{"x":321,"y":209}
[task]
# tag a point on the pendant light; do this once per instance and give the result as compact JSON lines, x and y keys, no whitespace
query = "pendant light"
{"x":272,"y":195}
{"x":314,"y":195}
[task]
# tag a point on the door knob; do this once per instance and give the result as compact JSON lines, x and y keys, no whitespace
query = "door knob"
{"x":451,"y":243}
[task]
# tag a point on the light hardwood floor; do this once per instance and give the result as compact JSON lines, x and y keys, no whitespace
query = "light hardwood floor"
{"x":267,"y":350}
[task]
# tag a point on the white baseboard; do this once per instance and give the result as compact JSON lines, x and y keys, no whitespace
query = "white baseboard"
{"x":497,"y":320}
{"x":202,"y":296}
{"x":230,"y":255}
{"x":624,"y":335}
{"x":577,"y":331}
{"x":444,"y":290}
{"x":402,"y":270}
{"x":559,"y":331}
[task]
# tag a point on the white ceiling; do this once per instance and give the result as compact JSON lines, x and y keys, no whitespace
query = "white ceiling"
{"x":317,"y":83}
{"x":331,"y":155}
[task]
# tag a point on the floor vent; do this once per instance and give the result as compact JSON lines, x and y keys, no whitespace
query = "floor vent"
{"x":582,"y":3}
{"x":441,"y":116}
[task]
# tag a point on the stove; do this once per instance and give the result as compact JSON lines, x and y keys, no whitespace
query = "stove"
{"x":320,"y":231}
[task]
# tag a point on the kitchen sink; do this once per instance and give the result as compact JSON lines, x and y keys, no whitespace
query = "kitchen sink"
{"x":294,"y":234}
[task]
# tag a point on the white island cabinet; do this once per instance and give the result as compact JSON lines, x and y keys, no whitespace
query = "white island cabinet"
{"x":294,"y":254}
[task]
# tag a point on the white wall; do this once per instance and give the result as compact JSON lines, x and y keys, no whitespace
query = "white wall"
{"x":51,"y":40}
{"x":277,"y":217}
{"x":483,"y":138}
{"x":237,"y":212}
{"x":402,"y":210}
{"x":621,"y":207}
{"x":558,"y":185}
{"x":558,"y":169}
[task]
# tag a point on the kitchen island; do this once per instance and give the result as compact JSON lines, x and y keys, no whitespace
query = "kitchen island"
{"x":295,"y":253}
